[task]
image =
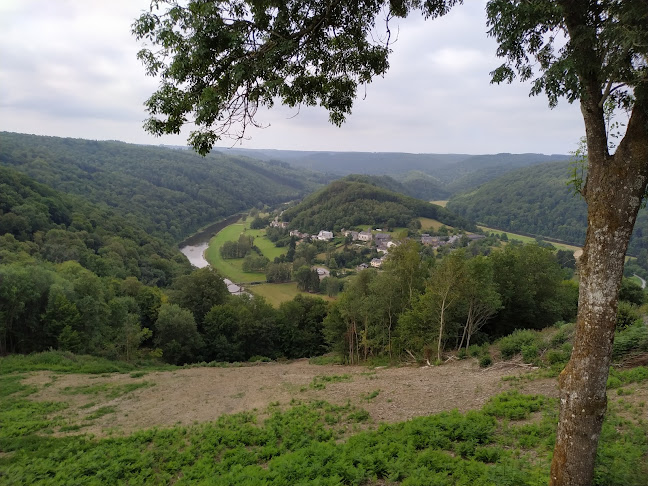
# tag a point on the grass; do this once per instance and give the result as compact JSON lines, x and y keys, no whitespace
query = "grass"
{"x":635,"y":280}
{"x":109,"y":390}
{"x":233,"y":268}
{"x":100,"y":412}
{"x":528,"y":239}
{"x":320,"y":381}
{"x":314,"y":443}
{"x":427,"y":223}
{"x":440,"y":203}
{"x":276,"y":293}
{"x":66,"y":362}
{"x":266,"y":246}
{"x":230,"y":268}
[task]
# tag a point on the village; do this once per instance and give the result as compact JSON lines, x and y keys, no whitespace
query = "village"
{"x":379,"y":238}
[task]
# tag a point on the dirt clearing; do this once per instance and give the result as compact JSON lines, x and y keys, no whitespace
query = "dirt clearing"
{"x":121,"y":403}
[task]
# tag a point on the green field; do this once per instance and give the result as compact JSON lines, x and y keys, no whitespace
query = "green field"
{"x":231,"y":268}
{"x":528,"y":239}
{"x":276,"y":293}
{"x":266,"y":246}
{"x":433,"y":224}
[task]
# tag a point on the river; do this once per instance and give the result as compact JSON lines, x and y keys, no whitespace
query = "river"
{"x":195,"y":246}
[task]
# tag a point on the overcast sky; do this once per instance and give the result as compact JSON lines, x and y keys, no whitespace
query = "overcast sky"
{"x":68,"y":68}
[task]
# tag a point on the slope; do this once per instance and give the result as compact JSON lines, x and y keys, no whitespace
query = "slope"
{"x":537,"y":200}
{"x":363,"y":200}
{"x":170,"y":192}
{"x":40,"y":224}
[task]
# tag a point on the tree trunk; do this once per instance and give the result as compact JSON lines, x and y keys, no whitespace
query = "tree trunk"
{"x":614,"y":189}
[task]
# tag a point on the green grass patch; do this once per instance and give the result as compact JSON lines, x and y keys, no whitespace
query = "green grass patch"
{"x":315,"y":444}
{"x":266,"y":246}
{"x":320,"y":381}
{"x":431,"y":224}
{"x":230,"y":268}
{"x":233,"y":268}
{"x":276,"y":293}
{"x":109,"y":390}
{"x":64,"y":362}
{"x":100,"y":412}
{"x":527,"y":239}
{"x":371,"y":395}
{"x":619,"y":378}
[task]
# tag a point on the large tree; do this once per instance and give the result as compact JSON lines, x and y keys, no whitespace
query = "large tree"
{"x":220,"y":60}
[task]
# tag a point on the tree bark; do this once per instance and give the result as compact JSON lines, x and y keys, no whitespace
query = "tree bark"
{"x":614,"y":190}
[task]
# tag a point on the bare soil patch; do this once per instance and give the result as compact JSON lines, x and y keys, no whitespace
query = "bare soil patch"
{"x":203,"y":394}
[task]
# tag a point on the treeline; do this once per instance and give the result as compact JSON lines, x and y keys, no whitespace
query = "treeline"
{"x":360,"y":200}
{"x":419,"y":306}
{"x":40,"y":224}
{"x":168,"y":193}
{"x":67,"y":307}
{"x":539,"y":200}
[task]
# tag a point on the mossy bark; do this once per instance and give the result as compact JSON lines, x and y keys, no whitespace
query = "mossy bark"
{"x":614,"y":189}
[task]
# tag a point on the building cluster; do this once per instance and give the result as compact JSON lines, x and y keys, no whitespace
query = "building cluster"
{"x":383,"y":240}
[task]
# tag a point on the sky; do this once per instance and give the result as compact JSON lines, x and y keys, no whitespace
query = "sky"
{"x":68,"y":68}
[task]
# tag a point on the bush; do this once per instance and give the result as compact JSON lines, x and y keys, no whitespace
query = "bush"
{"x":529,"y":352}
{"x":627,"y":315}
{"x":564,"y":334}
{"x":633,"y":339}
{"x":485,"y":361}
{"x":512,"y":344}
{"x":555,"y":356}
{"x":475,"y":351}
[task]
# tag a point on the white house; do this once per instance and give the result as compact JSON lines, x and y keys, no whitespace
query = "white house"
{"x":325,"y":235}
{"x":376,"y":262}
{"x":365,"y":236}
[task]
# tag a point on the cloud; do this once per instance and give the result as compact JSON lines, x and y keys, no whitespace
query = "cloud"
{"x":69,"y":68}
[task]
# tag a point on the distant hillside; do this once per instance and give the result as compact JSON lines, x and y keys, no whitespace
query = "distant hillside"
{"x":37,"y":222}
{"x":171,"y":193}
{"x":424,"y":176}
{"x":345,"y":163}
{"x":537,"y":200}
{"x":361,"y":200}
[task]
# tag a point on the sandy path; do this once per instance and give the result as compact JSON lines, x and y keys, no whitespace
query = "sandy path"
{"x":203,"y":394}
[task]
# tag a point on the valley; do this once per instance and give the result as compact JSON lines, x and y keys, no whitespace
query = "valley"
{"x":117,"y":329}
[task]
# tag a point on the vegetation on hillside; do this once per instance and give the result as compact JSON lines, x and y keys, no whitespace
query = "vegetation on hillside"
{"x":38,"y":224}
{"x":538,"y":200}
{"x":507,"y":442}
{"x":169,"y":193}
{"x":362,"y":200}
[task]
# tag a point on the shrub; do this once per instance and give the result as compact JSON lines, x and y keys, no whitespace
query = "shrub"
{"x":529,"y":352}
{"x":633,"y":339}
{"x":485,"y":361}
{"x":475,"y":351}
{"x":627,"y":314}
{"x":564,"y":334}
{"x":512,"y":344}
{"x":555,"y":356}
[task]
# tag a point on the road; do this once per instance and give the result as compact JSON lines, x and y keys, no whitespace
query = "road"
{"x":643,"y":282}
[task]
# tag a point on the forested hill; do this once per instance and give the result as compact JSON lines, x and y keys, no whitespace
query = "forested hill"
{"x":363,"y":200}
{"x":170,"y":193}
{"x":424,"y":176}
{"x":537,"y":200}
{"x":39,"y":224}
